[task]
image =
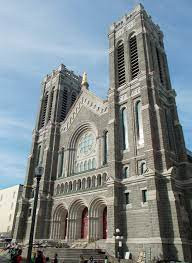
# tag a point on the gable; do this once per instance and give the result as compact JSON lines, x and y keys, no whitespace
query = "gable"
{"x":88,"y":100}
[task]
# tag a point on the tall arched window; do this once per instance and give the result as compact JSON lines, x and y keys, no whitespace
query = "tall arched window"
{"x":50,"y":105}
{"x":139,"y":123}
{"x":60,"y":163}
{"x":134,"y":61}
{"x":89,"y":164}
{"x":64,"y":105}
{"x":44,"y":109}
{"x":124,"y":122}
{"x":143,"y":167}
{"x":121,"y":64}
{"x":93,"y":163}
{"x":159,"y":66}
{"x":38,"y":155}
{"x":81,"y":167}
{"x":73,"y":98}
{"x":126,"y":172}
{"x":105,"y":160}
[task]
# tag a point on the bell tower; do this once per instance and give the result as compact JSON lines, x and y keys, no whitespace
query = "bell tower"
{"x":145,"y":133}
{"x":58,"y":93}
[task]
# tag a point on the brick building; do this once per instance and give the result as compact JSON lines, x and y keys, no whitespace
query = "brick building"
{"x":114,"y":163}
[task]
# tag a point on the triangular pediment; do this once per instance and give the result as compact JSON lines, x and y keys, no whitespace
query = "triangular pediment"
{"x":88,"y":100}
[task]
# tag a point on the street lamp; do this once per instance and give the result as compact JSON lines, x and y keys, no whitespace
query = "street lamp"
{"x":38,"y":174}
{"x":119,"y":238}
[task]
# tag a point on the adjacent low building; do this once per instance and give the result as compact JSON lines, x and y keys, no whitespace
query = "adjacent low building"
{"x":8,"y":208}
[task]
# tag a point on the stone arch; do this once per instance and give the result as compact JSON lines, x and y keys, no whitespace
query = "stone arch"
{"x":98,"y":218}
{"x":59,"y":222}
{"x":75,"y":219}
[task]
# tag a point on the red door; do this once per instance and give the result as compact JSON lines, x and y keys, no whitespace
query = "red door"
{"x":84,"y":223}
{"x":105,"y":223}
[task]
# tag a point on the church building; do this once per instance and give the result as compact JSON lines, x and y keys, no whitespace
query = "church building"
{"x":119,"y":163}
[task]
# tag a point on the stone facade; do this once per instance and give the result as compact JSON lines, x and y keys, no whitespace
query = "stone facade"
{"x":125,"y":155}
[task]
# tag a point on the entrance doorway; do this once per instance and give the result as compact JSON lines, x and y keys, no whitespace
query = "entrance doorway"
{"x":84,"y":223}
{"x":105,"y":223}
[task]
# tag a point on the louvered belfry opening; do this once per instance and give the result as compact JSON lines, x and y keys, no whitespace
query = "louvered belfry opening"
{"x":64,"y":105}
{"x":50,"y":106}
{"x":73,"y":98}
{"x":44,"y":109}
{"x":159,"y":65}
{"x":121,"y":64}
{"x":134,"y":61}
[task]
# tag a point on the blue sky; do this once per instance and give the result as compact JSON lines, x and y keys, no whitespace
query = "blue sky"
{"x":37,"y":36}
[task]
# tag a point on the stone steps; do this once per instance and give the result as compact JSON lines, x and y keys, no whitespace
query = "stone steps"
{"x":72,"y":255}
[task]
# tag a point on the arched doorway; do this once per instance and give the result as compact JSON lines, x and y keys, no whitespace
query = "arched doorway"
{"x":59,"y":224}
{"x":105,"y":223}
{"x":84,"y":223}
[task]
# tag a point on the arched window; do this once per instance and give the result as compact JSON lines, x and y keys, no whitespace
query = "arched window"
{"x":66,"y":187}
{"x":105,"y":147}
{"x":74,"y":186}
{"x":93,"y":181}
{"x":83,"y":183}
{"x":64,"y":105}
{"x":73,"y":98}
{"x":121,"y":64}
{"x":85,"y":166}
{"x":99,"y":180}
{"x":58,"y":189}
{"x":50,"y":105}
{"x":139,"y":123}
{"x":88,"y":182}
{"x":124,"y":121}
{"x":60,"y":163}
{"x":134,"y":61}
{"x":81,"y":167}
{"x":79,"y":184}
{"x":77,"y":167}
{"x":93,"y":163}
{"x":143,"y":167}
{"x":62,"y":188}
{"x":126,"y":172}
{"x":38,"y":155}
{"x":70,"y":186}
{"x":169,"y":129}
{"x":44,"y":109}
{"x":159,"y":66}
{"x":89,"y":164}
